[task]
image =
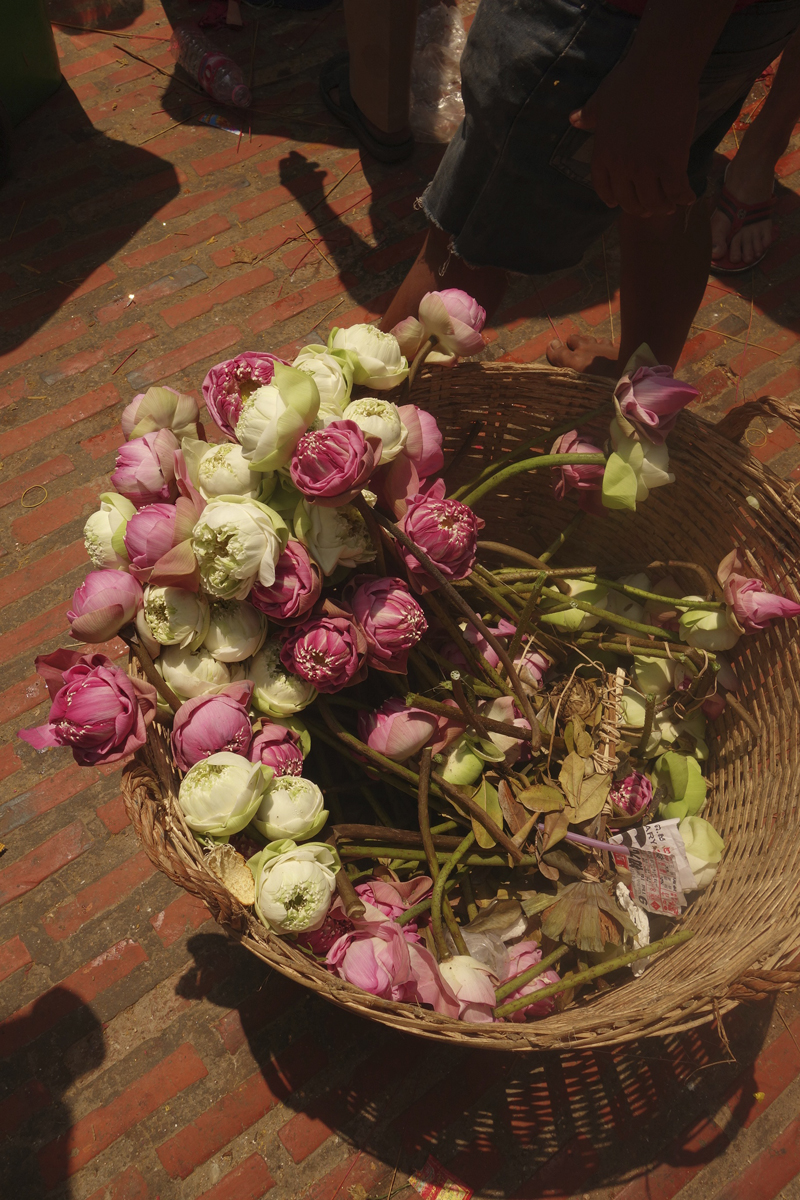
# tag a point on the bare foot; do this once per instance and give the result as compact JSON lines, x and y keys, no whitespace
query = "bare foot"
{"x":750,"y":179}
{"x":583,"y":353}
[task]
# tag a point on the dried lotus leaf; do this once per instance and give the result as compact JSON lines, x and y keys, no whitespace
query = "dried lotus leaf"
{"x":231,"y":869}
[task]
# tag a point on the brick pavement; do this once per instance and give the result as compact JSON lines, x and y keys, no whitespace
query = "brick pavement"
{"x":145,"y":1056}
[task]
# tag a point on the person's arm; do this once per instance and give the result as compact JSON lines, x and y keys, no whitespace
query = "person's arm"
{"x":644,"y":112}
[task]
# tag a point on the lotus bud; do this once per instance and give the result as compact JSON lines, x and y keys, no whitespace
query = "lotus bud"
{"x":334,"y":537}
{"x":229,"y":385}
{"x":328,"y":652}
{"x":455,"y":319}
{"x":208,"y":725}
{"x":473,"y":986}
{"x":291,"y":808}
{"x":446,"y":530}
{"x":161,"y":408}
{"x":378,"y":363}
{"x":193,"y":674}
{"x":176,"y":617}
{"x":462,"y":766}
{"x":298,"y":583}
{"x":275,"y":417}
{"x":333,"y":375}
{"x":708,"y":629}
{"x":632,"y":795}
{"x":704,"y":848}
{"x":651,"y":399}
{"x":145,"y":469}
{"x":395,"y":730}
{"x":221,"y":794}
{"x":222,"y":470}
{"x":276,"y":691}
{"x":392,"y":620}
{"x":573,"y":619}
{"x":294,"y":884}
{"x":330,"y":466}
{"x":379,"y":419}
{"x":586,"y":479}
{"x":104,"y":532}
{"x":236,"y":542}
{"x":102,"y":604}
{"x":236,"y":630}
{"x":633,"y":470}
{"x":279,"y":747}
{"x":654,"y":676}
{"x":683,"y":779}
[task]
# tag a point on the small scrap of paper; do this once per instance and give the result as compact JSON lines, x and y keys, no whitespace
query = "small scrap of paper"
{"x":660,"y":871}
{"x":434,"y":1182}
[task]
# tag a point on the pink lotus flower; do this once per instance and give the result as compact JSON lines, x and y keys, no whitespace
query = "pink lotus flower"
{"x":162,"y":408}
{"x":585,"y":478}
{"x":224,"y":385}
{"x":396,"y":482}
{"x":448,"y":729}
{"x":522,"y":957}
{"x":98,"y":710}
{"x":452,"y":317}
{"x":158,"y":542}
{"x":102,"y":604}
{"x":651,"y":399}
{"x":278,"y":747}
{"x":395,"y":730}
{"x":446,"y":530}
{"x":391,"y":619}
{"x":329,"y":652}
{"x":330,"y":466}
{"x":530,"y":667}
{"x":633,"y":794}
{"x":206,"y":725}
{"x":145,"y":470}
{"x":753,"y":606}
{"x":297,"y":586}
{"x":392,"y":896}
{"x":471,"y":983}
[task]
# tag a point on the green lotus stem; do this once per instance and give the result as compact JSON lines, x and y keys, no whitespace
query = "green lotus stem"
{"x":438,"y":898}
{"x":444,"y":827}
{"x":151,"y":673}
{"x":663,"y":635}
{"x":417,"y":910}
{"x":524,"y":447}
{"x":405,"y":854}
{"x":540,"y":463}
{"x":468,"y":894}
{"x":420,"y":357}
{"x":428,"y":846}
{"x":526,"y":616}
{"x":471,"y":653}
{"x":533,"y":972}
{"x":604,"y":968}
{"x":641,"y":594}
{"x":555,"y":546}
{"x":374,"y":531}
{"x":647,"y":727}
{"x":478,"y":686}
{"x":621,"y":642}
{"x":483,"y":581}
{"x":335,"y":744}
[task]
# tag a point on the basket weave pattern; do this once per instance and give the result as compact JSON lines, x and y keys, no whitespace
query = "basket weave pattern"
{"x":747,"y":923}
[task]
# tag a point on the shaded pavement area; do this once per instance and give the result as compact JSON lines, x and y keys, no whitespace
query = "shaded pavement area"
{"x":146,"y":1057}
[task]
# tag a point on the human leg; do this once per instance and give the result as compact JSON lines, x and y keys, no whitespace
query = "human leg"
{"x":380,"y":40}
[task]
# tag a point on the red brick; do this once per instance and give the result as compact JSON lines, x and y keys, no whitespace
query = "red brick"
{"x":83,"y":66}
{"x":95,"y":1132}
{"x":478,"y":1162}
{"x":185,"y":913}
{"x":371,"y":311}
{"x":701,"y":345}
{"x":99,"y":897}
{"x":210,"y":344}
{"x":100,"y":203}
{"x":537,"y":305}
{"x":390,"y":256}
{"x":40,"y":343}
{"x":679,"y":1164}
{"x":13,"y":489}
{"x":13,"y":955}
{"x":788,"y":164}
{"x":596,"y":314}
{"x":565,"y":1173}
{"x":183,"y":277}
{"x":252,"y":249}
{"x":92,"y":246}
{"x":104,"y":443}
{"x":121,"y":343}
{"x":249,"y":1181}
{"x":771,"y":1171}
{"x":129,"y":1185}
{"x":14,"y":392}
{"x":783,"y":385}
{"x":43,"y":571}
{"x":46,"y":795}
{"x":359,"y":1170}
{"x":178,"y":241}
{"x":27,"y":238}
{"x":782,"y":438}
{"x":290,"y":306}
{"x":230,"y":157}
{"x":125,"y":103}
{"x":113,"y":815}
{"x":713,"y":383}
{"x":537,"y":346}
{"x":22,"y":697}
{"x":266,"y":201}
{"x":10,"y":763}
{"x":78,"y":410}
{"x":240,"y":1108}
{"x":756,"y":355}
{"x":31,"y":634}
{"x":239,"y":285}
{"x":275,"y":996}
{"x":311,"y":250}
{"x":45,"y":860}
{"x":21,"y":1105}
{"x":60,"y":511}
{"x":450,"y":1098}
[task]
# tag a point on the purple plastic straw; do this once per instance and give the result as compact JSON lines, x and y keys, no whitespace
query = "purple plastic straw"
{"x":593,"y":842}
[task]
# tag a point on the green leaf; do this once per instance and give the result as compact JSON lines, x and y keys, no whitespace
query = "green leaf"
{"x":541,"y":798}
{"x":569,"y":736}
{"x":594,"y":791}
{"x":619,"y":484}
{"x":486,"y":796}
{"x":571,"y":776}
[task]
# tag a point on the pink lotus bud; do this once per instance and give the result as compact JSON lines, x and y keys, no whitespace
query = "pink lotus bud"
{"x":410,"y":336}
{"x":753,"y":606}
{"x":455,"y":319}
{"x":395,"y":730}
{"x":448,"y":729}
{"x":278,"y":747}
{"x":228,"y":383}
{"x":375,"y":958}
{"x":208,"y":724}
{"x":585,"y":478}
{"x":149,"y":535}
{"x":162,"y":408}
{"x":102,"y":604}
{"x":633,"y":794}
{"x":97,"y":709}
{"x":391,"y":619}
{"x":328,"y":652}
{"x":521,"y":957}
{"x":392,"y":897}
{"x":332,"y":465}
{"x":471,"y":983}
{"x":651,"y":399}
{"x":145,"y":470}
{"x":530,"y":668}
{"x":424,"y":442}
{"x":446,"y":530}
{"x":296,"y":589}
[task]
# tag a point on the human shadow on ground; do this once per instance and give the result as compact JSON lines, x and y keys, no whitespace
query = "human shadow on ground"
{"x":524,"y":1124}
{"x":95,"y":14}
{"x":37,"y":1072}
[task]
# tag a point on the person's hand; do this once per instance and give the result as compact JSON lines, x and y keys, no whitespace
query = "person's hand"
{"x":643,"y":126}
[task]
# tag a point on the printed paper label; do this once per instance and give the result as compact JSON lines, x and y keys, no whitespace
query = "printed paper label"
{"x":660,"y":871}
{"x":434,"y":1182}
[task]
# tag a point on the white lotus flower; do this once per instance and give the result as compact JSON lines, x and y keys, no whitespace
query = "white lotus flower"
{"x":236,"y":630}
{"x":573,"y":619}
{"x":334,"y":379}
{"x":380,"y":363}
{"x":276,"y":691}
{"x":195,"y":674}
{"x":275,"y":417}
{"x":654,"y":676}
{"x":626,"y":606}
{"x":219,"y":795}
{"x":222,"y":470}
{"x":704,"y":848}
{"x":333,"y":536}
{"x":380,"y":418}
{"x":294,"y":884}
{"x":176,"y":617}
{"x":237,"y":541}
{"x":291,"y":807}
{"x":709,"y":628}
{"x":103,"y":533}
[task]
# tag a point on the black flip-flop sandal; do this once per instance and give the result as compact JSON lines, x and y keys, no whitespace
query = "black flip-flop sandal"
{"x":336,"y":75}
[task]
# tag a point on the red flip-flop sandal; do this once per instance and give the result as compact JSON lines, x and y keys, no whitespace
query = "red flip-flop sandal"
{"x":740,"y":214}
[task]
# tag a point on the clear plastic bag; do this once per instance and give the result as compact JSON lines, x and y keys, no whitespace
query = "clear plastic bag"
{"x":436,"y":105}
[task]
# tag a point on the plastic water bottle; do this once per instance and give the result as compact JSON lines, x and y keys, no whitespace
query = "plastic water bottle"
{"x":216,"y":73}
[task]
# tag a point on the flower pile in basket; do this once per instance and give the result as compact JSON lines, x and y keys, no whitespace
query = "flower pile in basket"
{"x":456,"y":775}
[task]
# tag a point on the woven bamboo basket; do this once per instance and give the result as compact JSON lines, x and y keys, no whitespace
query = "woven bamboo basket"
{"x":747,"y":924}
